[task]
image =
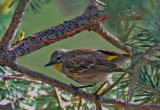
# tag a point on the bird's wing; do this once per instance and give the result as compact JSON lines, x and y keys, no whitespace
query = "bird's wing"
{"x":104,"y":66}
{"x":82,"y":64}
{"x":109,"y":52}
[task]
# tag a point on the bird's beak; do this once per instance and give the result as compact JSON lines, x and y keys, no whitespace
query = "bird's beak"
{"x":49,"y":64}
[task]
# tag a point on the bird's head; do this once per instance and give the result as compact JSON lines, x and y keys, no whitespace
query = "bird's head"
{"x":56,"y":57}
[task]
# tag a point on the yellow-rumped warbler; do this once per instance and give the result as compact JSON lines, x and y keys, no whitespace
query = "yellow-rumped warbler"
{"x":87,"y":66}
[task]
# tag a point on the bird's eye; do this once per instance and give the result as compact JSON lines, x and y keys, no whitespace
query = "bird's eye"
{"x":59,"y":58}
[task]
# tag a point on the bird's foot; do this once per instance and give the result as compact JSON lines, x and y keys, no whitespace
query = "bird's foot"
{"x":75,"y":88}
{"x":96,"y":95}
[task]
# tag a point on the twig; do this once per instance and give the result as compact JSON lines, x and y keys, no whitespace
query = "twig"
{"x":152,"y":50}
{"x":130,"y":17}
{"x":80,"y":103}
{"x":17,"y":75}
{"x":134,"y":79}
{"x":113,"y":85}
{"x":62,"y":103}
{"x":148,"y":88}
{"x":21,"y":78}
{"x":58,"y":97}
{"x":110,"y":38}
{"x":98,"y":2}
{"x":136,"y":17}
{"x":124,"y":103}
{"x":16,"y":19}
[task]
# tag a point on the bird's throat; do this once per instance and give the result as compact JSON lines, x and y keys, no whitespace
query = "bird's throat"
{"x":58,"y":67}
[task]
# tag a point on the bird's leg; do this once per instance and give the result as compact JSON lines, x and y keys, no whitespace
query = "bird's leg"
{"x":76,"y":88}
{"x":100,"y":87}
{"x":96,"y":93}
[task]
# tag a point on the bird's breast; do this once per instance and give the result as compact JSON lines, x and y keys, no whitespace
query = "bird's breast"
{"x":88,"y":79}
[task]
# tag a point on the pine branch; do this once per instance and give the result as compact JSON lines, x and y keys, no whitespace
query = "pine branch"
{"x":60,"y":32}
{"x":149,"y":89}
{"x":16,"y":19}
{"x":139,"y":65}
{"x":113,"y":85}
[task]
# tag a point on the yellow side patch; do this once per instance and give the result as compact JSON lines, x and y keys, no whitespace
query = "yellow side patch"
{"x":58,"y":67}
{"x":112,"y":57}
{"x":73,"y":74}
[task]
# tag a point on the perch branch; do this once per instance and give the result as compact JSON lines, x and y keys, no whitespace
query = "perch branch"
{"x":98,"y":105}
{"x":16,"y":19}
{"x":50,"y":81}
{"x":80,"y":93}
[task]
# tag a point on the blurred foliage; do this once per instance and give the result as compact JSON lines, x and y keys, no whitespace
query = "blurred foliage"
{"x":29,"y":95}
{"x":36,"y":5}
{"x":71,"y":7}
{"x":135,"y":22}
{"x":125,"y":15}
{"x":7,"y":8}
{"x":145,"y":37}
{"x":6,"y":11}
{"x":149,"y":77}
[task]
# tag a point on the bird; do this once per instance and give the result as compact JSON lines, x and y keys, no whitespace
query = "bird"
{"x":86,"y":66}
